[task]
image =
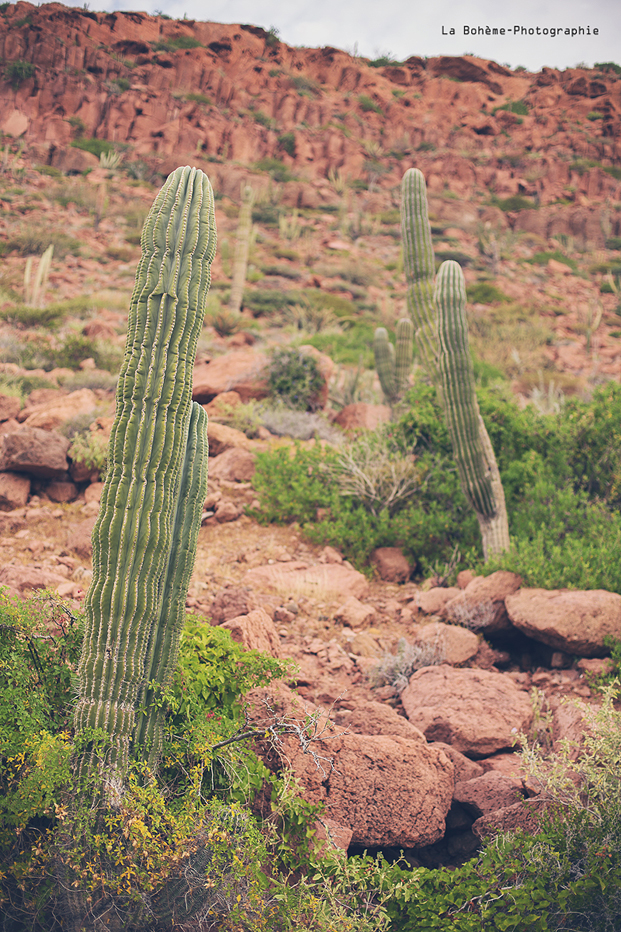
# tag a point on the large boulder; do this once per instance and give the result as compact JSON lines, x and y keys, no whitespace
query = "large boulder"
{"x":481,"y":605}
{"x":22,"y":578}
{"x":222,"y":438}
{"x":456,"y":645}
{"x":391,"y":564}
{"x":234,"y":465}
{"x":231,"y":602}
{"x":490,"y":791}
{"x":388,"y":789}
{"x":377,"y":718}
{"x":14,"y":490}
{"x":52,"y":414}
{"x":241,"y":371}
{"x":362,"y":416}
{"x":569,"y":620}
{"x":9,"y":407}
{"x":475,"y":711}
{"x":255,"y":631}
{"x":433,"y":601}
{"x":323,"y":582}
{"x":40,"y":453}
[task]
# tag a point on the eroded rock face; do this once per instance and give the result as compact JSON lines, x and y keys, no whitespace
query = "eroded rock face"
{"x":40,"y":453}
{"x":231,"y":602}
{"x":569,"y":620}
{"x":475,"y":711}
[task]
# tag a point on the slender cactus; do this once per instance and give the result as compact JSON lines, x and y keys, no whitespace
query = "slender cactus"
{"x":242,"y":249}
{"x":442,"y":337}
{"x":140,"y":570}
{"x":393,"y":367}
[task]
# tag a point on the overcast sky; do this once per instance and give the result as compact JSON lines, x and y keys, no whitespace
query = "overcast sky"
{"x":415,"y":27}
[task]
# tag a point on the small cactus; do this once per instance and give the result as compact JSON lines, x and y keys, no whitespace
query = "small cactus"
{"x":439,"y":314}
{"x":393,"y":367}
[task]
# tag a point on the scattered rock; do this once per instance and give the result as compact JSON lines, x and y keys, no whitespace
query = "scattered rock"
{"x":377,"y":718}
{"x":226,"y":511}
{"x":222,"y":404}
{"x":433,"y":601}
{"x":464,"y":578}
{"x":391,"y":564}
{"x":363,"y":645}
{"x":22,"y":578}
{"x":231,"y":602}
{"x":330,"y":555}
{"x":481,"y":605}
{"x":240,"y":371}
{"x":457,"y":645}
{"x":79,"y":538}
{"x":489,"y":792}
{"x":568,"y":620}
{"x":596,"y":666}
{"x":61,"y":492}
{"x":9,"y":407}
{"x":354,"y":614}
{"x":222,"y":438}
{"x":525,"y":816}
{"x":234,"y":465}
{"x":362,"y":416}
{"x":52,"y":414}
{"x":40,"y":453}
{"x":92,"y":493}
{"x":14,"y":490}
{"x":475,"y":711}
{"x":294,"y":579}
{"x":465,"y":769}
{"x":255,"y":631}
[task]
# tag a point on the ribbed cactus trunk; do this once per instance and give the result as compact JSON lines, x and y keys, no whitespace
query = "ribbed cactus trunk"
{"x":419,"y":266}
{"x":439,"y":315}
{"x":144,"y":538}
{"x":394,"y":365}
{"x":242,"y":250}
{"x":476,"y":463}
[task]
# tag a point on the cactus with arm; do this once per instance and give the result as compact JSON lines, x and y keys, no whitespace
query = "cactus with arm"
{"x":442,"y":337}
{"x":136,"y":555}
{"x":393,"y":366}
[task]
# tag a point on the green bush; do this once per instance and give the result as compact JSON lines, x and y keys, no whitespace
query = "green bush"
{"x":349,"y":346}
{"x":542,"y":258}
{"x":287,"y":143}
{"x":368,"y":105}
{"x":16,"y":72}
{"x":274,"y":167}
{"x":515,"y":202}
{"x":514,"y":106}
{"x":95,"y":146}
{"x":294,"y":379}
{"x":613,"y":242}
{"x":485,"y":293}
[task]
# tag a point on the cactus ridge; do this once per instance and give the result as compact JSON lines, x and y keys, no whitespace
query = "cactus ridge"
{"x":132,"y":537}
{"x":461,"y":406}
{"x":166,"y":634}
{"x":419,"y":264}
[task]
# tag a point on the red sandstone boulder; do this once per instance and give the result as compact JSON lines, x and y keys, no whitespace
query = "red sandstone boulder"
{"x":61,"y":491}
{"x":354,"y":613}
{"x":490,"y":791}
{"x":226,"y":511}
{"x":377,"y":718}
{"x":222,"y":404}
{"x":433,"y":601}
{"x":465,"y":769}
{"x":481,"y":605}
{"x":362,"y":416}
{"x":231,"y":602}
{"x":326,"y":581}
{"x":454,"y":644}
{"x":14,"y":490}
{"x":9,"y":407}
{"x":240,"y":371}
{"x":475,"y":711}
{"x":568,"y":620}
{"x":37,"y":452}
{"x":79,"y":538}
{"x":51,"y":414}
{"x":391,"y":564}
{"x":521,"y":816}
{"x":22,"y":578}
{"x":234,"y":465}
{"x":222,"y":438}
{"x":255,"y":631}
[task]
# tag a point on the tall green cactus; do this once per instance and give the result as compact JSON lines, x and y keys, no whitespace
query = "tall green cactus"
{"x":242,"y":249}
{"x":144,"y":539}
{"x":393,"y":366}
{"x":442,"y":337}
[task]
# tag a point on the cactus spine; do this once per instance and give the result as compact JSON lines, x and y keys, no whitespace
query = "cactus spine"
{"x":393,"y":366}
{"x":242,"y":249}
{"x":152,"y":494}
{"x":442,"y":337}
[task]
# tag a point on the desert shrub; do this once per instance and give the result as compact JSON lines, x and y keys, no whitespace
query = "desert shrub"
{"x":16,"y":72}
{"x":286,"y":141}
{"x":396,"y":669}
{"x":300,"y":425}
{"x":95,"y":146}
{"x":514,"y":106}
{"x":367,"y":104}
{"x":294,"y":379}
{"x":541,"y":258}
{"x":22,"y":315}
{"x":348,"y":346}
{"x":515,"y":202}
{"x":262,"y":303}
{"x":33,"y":241}
{"x":613,"y":242}
{"x":274,"y":167}
{"x":90,"y":448}
{"x":69,"y":352}
{"x":485,"y":293}
{"x":199,"y":99}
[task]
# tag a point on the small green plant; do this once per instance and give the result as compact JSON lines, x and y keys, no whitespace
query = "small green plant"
{"x":613,"y":242}
{"x":396,"y":669}
{"x":542,"y":258}
{"x":520,"y":107}
{"x":368,"y":105}
{"x":95,"y":146}
{"x":200,"y":99}
{"x":485,"y":293}
{"x":90,"y":449}
{"x":287,"y":143}
{"x":608,"y":66}
{"x":514,"y":203}
{"x":294,"y":379}
{"x":19,"y":71}
{"x":274,"y":167}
